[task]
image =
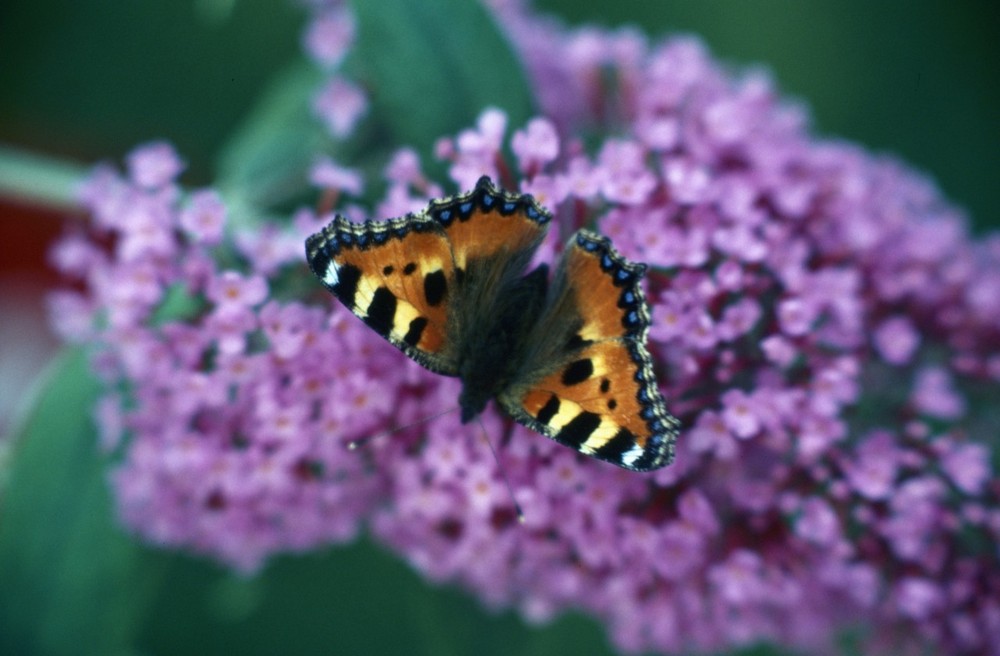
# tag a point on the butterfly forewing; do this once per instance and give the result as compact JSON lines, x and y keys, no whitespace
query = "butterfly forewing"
{"x":487,"y":223}
{"x":396,"y":276}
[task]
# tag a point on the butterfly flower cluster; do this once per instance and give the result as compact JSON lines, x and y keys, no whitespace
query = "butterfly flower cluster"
{"x":824,"y":326}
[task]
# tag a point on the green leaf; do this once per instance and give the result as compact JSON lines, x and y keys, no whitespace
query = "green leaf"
{"x":432,"y":66}
{"x":266,"y":162}
{"x":67,"y":573}
{"x":39,"y":179}
{"x":177,"y":304}
{"x":356,"y":599}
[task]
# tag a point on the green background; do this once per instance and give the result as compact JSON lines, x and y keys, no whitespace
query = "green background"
{"x":88,"y":79}
{"x":85,"y":80}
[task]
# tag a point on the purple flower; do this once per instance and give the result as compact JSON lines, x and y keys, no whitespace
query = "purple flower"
{"x":475,"y":152}
{"x":873,"y":472}
{"x":822,"y":324}
{"x":231,"y":291}
{"x":535,"y":146}
{"x":72,"y":315}
{"x":896,"y":340}
{"x":737,"y":580}
{"x":340,"y":104}
{"x":74,"y":255}
{"x":687,"y":182}
{"x":548,"y":190}
{"x":154,"y":165}
{"x":740,"y":413}
{"x":269,"y":248}
{"x":796,"y":316}
{"x":404,"y":168}
{"x":229,"y":328}
{"x":329,"y":36}
{"x":967,"y":465}
{"x":711,"y":434}
{"x":204,"y":217}
{"x":327,"y":174}
{"x":933,"y":394}
{"x":580,"y":179}
{"x":818,"y":523}
{"x":739,"y":319}
{"x":918,"y":598}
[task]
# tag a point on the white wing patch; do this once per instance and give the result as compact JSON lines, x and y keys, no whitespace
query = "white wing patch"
{"x":331,"y":277}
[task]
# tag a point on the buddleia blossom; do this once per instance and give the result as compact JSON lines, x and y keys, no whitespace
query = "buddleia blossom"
{"x":823,"y":325}
{"x":231,"y":448}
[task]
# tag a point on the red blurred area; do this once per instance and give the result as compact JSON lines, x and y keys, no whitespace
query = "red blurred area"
{"x":26,"y":343}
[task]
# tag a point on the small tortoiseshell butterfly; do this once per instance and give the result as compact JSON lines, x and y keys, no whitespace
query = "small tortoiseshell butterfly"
{"x":566,"y":358}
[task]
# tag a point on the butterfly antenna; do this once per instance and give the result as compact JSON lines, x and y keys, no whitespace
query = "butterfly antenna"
{"x":503,"y":474}
{"x":354,"y":444}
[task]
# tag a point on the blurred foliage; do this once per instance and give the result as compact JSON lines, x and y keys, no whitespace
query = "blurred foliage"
{"x":88,"y":79}
{"x":460,"y":72}
{"x":916,"y":80}
{"x":224,"y":81}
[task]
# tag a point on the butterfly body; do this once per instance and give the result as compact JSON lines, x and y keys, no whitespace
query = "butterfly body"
{"x":491,"y":364}
{"x":450,"y":287}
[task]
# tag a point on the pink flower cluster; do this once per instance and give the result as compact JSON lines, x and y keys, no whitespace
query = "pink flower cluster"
{"x":823,"y":324}
{"x":233,"y":447}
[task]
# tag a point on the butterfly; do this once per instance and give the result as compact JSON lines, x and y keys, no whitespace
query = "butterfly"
{"x":565,"y":357}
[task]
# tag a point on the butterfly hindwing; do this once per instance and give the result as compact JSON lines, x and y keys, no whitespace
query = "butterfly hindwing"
{"x":597,"y":392}
{"x":395,"y":275}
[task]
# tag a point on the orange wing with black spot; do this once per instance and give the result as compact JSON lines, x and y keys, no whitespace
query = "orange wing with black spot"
{"x":408,"y":278}
{"x":395,"y":276}
{"x":488,"y":225}
{"x":594,"y":389}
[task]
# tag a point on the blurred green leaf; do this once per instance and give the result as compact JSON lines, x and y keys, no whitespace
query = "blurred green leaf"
{"x":92,"y":78}
{"x":67,"y":575}
{"x":266,"y":162}
{"x":433,"y":66}
{"x":177,"y":304}
{"x":356,"y":599}
{"x":34,"y":178}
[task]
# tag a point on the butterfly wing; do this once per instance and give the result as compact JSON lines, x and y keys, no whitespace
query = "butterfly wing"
{"x":593,"y":387}
{"x":490,"y":225}
{"x":418,"y":279}
{"x":395,"y":276}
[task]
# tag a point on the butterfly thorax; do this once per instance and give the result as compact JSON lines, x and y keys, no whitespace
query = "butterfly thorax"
{"x":488,"y":364}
